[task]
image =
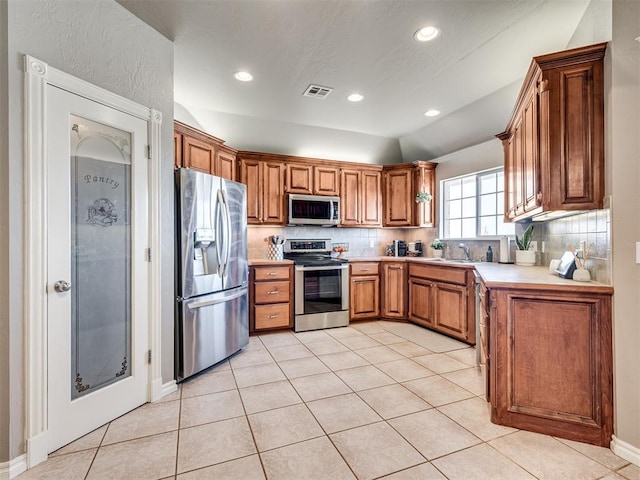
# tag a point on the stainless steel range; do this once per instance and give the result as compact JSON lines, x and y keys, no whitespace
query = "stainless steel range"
{"x":321,"y":285}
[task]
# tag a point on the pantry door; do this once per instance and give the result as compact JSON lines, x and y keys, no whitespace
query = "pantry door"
{"x":97,"y":275}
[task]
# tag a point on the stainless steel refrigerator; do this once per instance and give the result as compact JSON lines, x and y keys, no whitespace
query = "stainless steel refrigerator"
{"x":212,"y":316}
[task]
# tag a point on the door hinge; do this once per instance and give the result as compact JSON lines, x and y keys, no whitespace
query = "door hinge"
{"x":148,"y":254}
{"x":149,"y":356}
{"x":149,"y":152}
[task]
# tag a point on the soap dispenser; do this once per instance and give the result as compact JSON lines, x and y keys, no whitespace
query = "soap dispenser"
{"x":489,"y":254}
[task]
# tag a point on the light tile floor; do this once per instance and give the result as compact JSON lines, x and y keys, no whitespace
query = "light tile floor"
{"x":373,"y":400}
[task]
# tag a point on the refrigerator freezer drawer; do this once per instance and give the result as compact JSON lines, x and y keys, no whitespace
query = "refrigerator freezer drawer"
{"x":212,"y":328}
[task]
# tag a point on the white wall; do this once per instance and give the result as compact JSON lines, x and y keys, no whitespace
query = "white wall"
{"x":263,"y":135}
{"x":623,"y":178}
{"x":101,"y":42}
{"x":4,"y":241}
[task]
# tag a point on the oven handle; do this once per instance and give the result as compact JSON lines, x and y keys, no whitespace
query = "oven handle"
{"x":303,"y":268}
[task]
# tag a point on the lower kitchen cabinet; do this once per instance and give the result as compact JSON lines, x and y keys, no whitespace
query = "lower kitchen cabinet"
{"x":271,"y":297}
{"x":364,"y":291}
{"x":550,"y":362}
{"x":394,"y":290}
{"x":441,"y":298}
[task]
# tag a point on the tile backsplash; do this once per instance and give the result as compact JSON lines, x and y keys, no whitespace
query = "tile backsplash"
{"x":591,"y":227}
{"x":594,"y":229}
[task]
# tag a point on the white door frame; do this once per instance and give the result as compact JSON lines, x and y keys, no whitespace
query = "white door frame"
{"x":37,"y":76}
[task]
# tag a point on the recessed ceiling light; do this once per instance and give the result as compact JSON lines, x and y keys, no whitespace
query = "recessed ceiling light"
{"x":355,"y":97}
{"x":426,"y":33}
{"x":432,"y":113}
{"x":243,"y":76}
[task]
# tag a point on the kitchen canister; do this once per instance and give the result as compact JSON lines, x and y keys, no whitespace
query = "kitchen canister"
{"x":275,"y":252}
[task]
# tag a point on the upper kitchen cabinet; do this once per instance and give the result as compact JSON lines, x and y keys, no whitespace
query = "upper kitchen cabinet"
{"x":554,"y":141}
{"x":203,"y":152}
{"x":402,"y":182}
{"x":361,"y":198}
{"x":311,"y":179}
{"x":264,"y":179}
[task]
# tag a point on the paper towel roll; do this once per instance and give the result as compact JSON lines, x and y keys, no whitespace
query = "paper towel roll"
{"x":505,"y":250}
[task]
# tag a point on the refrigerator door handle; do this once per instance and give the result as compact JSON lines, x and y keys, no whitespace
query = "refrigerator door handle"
{"x":207,"y":303}
{"x":221,"y":261}
{"x":227,"y":231}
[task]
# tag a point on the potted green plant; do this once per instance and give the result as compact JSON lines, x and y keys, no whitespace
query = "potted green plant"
{"x":423,"y":197}
{"x":525,"y":256}
{"x":437,"y":246}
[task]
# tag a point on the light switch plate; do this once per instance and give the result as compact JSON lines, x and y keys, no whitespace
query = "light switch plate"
{"x":638,"y":253}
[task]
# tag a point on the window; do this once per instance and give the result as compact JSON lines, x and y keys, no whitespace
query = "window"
{"x":473,"y":206}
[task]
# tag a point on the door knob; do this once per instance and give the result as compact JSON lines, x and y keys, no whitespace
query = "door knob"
{"x":62,"y":286}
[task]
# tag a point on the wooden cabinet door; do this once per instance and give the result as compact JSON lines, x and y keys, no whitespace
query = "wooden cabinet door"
{"x":198,"y":154}
{"x":350,"y":197}
{"x":226,"y":165}
{"x":177,"y":149}
{"x":394,"y":290}
{"x":364,"y":297}
{"x":398,"y":190}
{"x":371,"y":198}
{"x":251,"y":177}
{"x":425,"y":213}
{"x":509,"y":179}
{"x":420,"y":301}
{"x":530,"y":158}
{"x":450,"y":305}
{"x":518,"y":168}
{"x":326,"y":181}
{"x":273,"y":193}
{"x":300,"y":178}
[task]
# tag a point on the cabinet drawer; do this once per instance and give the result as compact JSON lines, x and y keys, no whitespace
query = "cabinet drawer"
{"x":272,"y":292}
{"x":364,"y":268}
{"x":442,"y":274}
{"x":271,"y":273}
{"x":272,"y":316}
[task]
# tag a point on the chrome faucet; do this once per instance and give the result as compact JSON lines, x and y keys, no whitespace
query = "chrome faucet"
{"x":465,"y":249}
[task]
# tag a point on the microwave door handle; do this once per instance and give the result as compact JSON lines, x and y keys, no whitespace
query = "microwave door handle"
{"x":330,"y":210}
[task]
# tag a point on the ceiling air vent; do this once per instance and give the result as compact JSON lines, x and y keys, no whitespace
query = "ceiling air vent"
{"x":316,"y":91}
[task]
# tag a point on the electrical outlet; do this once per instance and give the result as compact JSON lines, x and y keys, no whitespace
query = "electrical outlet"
{"x":542,"y":247}
{"x":534,"y":245}
{"x":371,"y":244}
{"x":638,"y":253}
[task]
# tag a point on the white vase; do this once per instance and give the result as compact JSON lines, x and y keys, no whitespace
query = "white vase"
{"x":525,"y":258}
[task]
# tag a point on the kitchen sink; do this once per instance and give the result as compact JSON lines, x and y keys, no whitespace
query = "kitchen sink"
{"x":449,"y":260}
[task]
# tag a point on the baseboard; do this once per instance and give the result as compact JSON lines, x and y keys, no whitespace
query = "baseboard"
{"x":13,"y":468}
{"x":156,"y":390}
{"x":625,"y":450}
{"x":169,"y":387}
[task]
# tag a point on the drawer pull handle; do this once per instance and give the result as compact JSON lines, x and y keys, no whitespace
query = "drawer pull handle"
{"x":273,"y":274}
{"x":365,"y":269}
{"x":275,"y":315}
{"x":273,"y":292}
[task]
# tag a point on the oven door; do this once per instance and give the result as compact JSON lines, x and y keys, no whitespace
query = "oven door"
{"x":321,"y":289}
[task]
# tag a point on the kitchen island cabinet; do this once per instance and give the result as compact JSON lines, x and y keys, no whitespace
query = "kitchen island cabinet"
{"x":550,"y":353}
{"x":364,"y":291}
{"x":554,"y":142}
{"x":441,"y":298}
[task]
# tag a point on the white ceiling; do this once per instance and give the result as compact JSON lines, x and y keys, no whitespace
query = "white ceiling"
{"x":471,"y":73}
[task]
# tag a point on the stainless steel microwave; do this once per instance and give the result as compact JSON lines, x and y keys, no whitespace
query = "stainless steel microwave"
{"x":314,"y":210}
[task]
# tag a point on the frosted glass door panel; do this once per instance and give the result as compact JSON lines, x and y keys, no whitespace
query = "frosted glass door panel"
{"x":100,"y":255}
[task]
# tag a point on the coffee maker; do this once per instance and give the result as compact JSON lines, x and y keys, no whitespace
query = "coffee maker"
{"x":399,"y":248}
